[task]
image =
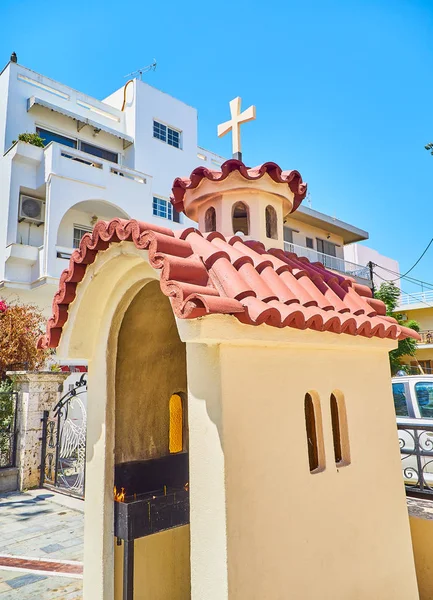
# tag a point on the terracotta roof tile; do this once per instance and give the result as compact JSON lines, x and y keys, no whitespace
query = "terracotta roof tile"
{"x":292,"y":178}
{"x":212,"y":275}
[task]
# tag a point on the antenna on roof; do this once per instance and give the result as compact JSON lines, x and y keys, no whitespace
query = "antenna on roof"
{"x":139,"y":72}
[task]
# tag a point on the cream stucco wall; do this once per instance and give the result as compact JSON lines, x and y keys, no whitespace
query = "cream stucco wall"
{"x":421,"y":354}
{"x":312,"y":535}
{"x":262,"y":526}
{"x":422,"y":540}
{"x":161,"y":567}
{"x":424,"y":316}
{"x":290,"y":533}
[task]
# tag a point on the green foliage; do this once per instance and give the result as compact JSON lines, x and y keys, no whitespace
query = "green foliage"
{"x":389,"y":294}
{"x":31,"y":138}
{"x":6,"y":404}
{"x":6,"y":414}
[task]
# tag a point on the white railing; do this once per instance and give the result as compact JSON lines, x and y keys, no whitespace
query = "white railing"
{"x":81,"y":158}
{"x":426,"y":337}
{"x":417,"y":298}
{"x":330,"y":262}
{"x":95,"y":162}
{"x":129,"y":174}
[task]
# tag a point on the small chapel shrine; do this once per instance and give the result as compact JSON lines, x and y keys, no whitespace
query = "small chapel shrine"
{"x":240,"y":405}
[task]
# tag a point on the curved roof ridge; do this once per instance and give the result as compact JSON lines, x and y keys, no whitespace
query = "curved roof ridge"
{"x":211,"y":275}
{"x":292,"y":178}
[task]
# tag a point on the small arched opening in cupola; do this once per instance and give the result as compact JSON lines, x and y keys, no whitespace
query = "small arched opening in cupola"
{"x":210,"y":219}
{"x":240,"y":218}
{"x":271,"y":223}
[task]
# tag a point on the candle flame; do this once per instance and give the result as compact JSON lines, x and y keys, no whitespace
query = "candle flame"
{"x":119,"y":496}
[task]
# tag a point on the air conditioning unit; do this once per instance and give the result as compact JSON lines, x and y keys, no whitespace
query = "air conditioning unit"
{"x":32,"y":209}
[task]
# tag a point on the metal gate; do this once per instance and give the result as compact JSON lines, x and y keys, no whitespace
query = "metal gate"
{"x":63,"y":457}
{"x":8,"y":440}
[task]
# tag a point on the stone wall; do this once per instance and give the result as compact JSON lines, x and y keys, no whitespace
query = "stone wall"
{"x":37,"y":391}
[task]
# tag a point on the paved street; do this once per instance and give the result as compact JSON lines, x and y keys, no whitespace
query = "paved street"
{"x":41,"y":546}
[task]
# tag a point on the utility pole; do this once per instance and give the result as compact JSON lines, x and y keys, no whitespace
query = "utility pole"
{"x":370,"y":265}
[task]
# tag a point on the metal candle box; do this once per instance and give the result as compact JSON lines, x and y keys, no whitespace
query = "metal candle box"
{"x":156,"y":498}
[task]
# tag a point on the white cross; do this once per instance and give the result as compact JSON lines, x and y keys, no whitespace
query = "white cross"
{"x":235,"y":124}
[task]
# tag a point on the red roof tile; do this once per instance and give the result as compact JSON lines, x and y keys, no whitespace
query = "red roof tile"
{"x":213,"y":275}
{"x":292,"y":178}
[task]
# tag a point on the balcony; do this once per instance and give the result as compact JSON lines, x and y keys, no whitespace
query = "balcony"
{"x":425,"y":299}
{"x":56,"y":159}
{"x":86,"y":168}
{"x":426,"y":337}
{"x":45,"y":95}
{"x":331,"y":262}
{"x":81,"y":186}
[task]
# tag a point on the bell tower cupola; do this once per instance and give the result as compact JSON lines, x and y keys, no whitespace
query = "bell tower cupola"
{"x":238,"y":200}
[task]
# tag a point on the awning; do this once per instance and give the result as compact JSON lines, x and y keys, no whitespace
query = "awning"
{"x":81,"y":121}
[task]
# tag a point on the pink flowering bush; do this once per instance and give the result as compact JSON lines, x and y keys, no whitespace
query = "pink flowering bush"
{"x":3,"y":306}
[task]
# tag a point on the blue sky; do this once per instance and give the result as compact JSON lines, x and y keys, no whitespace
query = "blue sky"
{"x":343,"y":89}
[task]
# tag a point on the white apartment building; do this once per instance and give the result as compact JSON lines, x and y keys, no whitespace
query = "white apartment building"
{"x":384,"y":269}
{"x":102,"y":159}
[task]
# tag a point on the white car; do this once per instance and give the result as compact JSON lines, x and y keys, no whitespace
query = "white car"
{"x":413,"y":401}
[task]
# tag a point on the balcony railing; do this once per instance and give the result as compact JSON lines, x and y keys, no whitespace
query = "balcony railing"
{"x":86,"y":168}
{"x":330,"y":262}
{"x":99,"y":163}
{"x":426,"y":336}
{"x":418,"y":370}
{"x":417,"y":298}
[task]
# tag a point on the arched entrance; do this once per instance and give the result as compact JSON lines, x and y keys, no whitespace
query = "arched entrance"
{"x":121,"y":348}
{"x":150,"y":383}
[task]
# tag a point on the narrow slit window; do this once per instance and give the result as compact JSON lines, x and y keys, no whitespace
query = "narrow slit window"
{"x":271,"y":223}
{"x":175,"y":424}
{"x":310,"y":424}
{"x":210,"y":219}
{"x":340,"y":433}
{"x":336,"y":429}
{"x":240,"y":218}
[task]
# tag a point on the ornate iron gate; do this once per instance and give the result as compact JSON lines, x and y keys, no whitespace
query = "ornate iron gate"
{"x":8,"y":441}
{"x":64,"y":442}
